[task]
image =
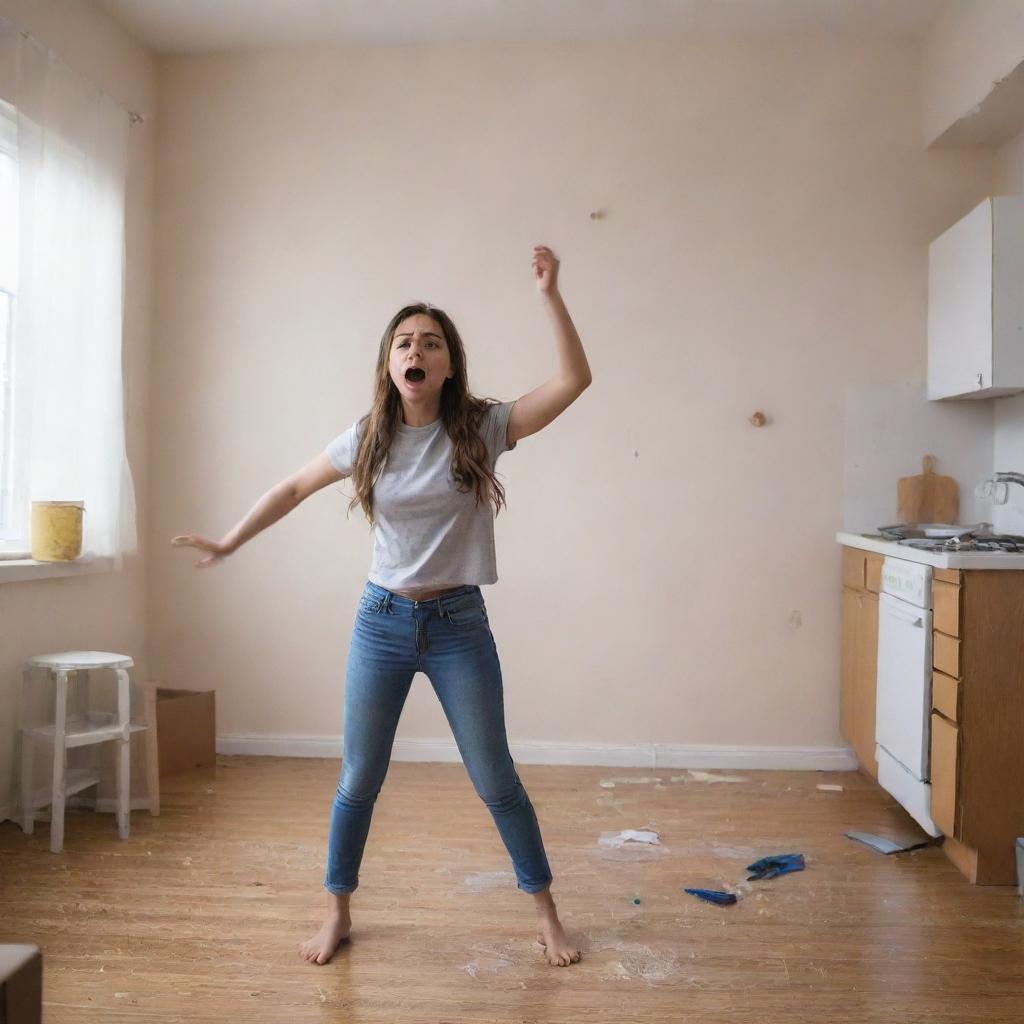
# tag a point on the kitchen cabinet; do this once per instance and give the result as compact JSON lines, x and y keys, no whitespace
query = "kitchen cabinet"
{"x":861,"y":584}
{"x":976,"y":303}
{"x":977,"y":737}
{"x":976,"y":742}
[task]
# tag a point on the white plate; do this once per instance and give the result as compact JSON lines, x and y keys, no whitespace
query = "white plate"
{"x":944,"y":529}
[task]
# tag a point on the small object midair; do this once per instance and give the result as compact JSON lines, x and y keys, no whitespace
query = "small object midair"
{"x":759,"y":419}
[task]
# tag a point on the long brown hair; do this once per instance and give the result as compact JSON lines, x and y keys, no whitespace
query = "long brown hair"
{"x":460,"y":411}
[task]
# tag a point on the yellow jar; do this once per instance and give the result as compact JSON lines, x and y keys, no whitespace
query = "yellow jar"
{"x":57,"y":530}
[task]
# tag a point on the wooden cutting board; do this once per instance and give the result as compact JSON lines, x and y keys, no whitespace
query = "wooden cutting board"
{"x":927,"y":498}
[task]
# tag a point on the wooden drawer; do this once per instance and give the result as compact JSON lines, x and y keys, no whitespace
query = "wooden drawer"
{"x":853,"y":568}
{"x":946,"y":603}
{"x":946,"y":654}
{"x":946,"y":696}
{"x":873,"y":572}
{"x":944,"y":771}
{"x":947,"y":575}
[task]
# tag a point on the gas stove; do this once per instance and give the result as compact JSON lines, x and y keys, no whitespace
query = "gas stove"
{"x":996,"y":542}
{"x":944,"y":537}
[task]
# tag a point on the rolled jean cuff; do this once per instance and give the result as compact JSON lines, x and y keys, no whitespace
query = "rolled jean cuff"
{"x":535,"y":886}
{"x":340,"y":890}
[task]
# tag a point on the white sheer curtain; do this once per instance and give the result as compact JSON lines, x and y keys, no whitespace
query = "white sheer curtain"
{"x":69,"y":432}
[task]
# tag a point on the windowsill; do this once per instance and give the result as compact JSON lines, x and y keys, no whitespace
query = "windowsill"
{"x":15,"y":570}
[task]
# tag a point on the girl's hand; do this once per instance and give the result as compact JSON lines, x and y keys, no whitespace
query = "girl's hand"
{"x":218,"y":551}
{"x":545,"y":269}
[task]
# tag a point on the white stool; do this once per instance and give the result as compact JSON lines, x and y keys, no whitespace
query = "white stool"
{"x":86,"y":727}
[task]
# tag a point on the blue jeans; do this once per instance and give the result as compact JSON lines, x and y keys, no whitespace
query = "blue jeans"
{"x":449,"y":639}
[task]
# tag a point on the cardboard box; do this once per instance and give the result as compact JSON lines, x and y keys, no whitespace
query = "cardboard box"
{"x":186,"y":730}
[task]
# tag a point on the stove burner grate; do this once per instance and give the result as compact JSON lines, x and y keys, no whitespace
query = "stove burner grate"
{"x":994,"y":542}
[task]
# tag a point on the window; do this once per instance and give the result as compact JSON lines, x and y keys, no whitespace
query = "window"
{"x":63,"y":166}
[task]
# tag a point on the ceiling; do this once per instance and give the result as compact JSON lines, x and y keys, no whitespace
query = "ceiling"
{"x":205,"y":26}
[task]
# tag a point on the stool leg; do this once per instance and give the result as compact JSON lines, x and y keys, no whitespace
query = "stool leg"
{"x":152,"y":752}
{"x":79,"y":699}
{"x":123,"y":778}
{"x":59,"y":761}
{"x":28,"y":758}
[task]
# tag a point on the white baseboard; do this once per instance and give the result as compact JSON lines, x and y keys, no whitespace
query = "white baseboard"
{"x":281,"y":746}
{"x":639,"y":755}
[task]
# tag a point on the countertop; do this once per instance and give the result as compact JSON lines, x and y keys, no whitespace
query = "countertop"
{"x":938,"y":559}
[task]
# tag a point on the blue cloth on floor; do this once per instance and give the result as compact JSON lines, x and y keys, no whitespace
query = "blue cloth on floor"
{"x":712,"y":896}
{"x":780,"y":864}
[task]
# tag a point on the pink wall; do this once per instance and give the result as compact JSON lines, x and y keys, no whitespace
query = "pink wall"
{"x":668,"y":572}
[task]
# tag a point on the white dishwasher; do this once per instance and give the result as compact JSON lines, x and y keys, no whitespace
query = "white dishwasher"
{"x":904,"y":696}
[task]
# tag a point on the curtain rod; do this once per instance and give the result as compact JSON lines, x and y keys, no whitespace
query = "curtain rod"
{"x":133,"y":116}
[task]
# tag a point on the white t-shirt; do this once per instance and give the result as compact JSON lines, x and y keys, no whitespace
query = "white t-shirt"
{"x":428,"y":534}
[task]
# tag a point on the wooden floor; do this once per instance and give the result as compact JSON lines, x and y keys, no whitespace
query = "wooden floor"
{"x":197,"y":916}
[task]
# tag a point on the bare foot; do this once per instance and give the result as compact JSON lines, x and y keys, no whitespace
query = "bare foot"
{"x":321,"y":947}
{"x":557,"y":948}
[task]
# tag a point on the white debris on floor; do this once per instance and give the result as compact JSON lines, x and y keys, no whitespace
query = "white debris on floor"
{"x":630,"y":835}
{"x":489,"y":880}
{"x":695,"y":776}
{"x":692,"y":775}
{"x":611,"y":783}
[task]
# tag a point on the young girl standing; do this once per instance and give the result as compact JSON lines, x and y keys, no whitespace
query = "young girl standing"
{"x":422,"y":464}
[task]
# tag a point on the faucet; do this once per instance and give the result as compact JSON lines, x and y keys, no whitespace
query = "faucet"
{"x":996,"y":487}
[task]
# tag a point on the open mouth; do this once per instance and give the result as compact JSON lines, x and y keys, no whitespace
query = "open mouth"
{"x":415,"y":375}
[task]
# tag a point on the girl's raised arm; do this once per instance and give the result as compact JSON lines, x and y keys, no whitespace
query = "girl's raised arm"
{"x":536,"y":409}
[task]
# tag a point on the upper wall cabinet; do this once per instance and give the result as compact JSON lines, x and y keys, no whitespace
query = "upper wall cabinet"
{"x":976,"y":304}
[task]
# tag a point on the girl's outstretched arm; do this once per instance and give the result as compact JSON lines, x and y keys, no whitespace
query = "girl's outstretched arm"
{"x":277,"y":502}
{"x":539,"y":407}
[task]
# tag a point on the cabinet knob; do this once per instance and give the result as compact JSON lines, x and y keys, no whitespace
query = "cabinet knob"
{"x":981,"y":380}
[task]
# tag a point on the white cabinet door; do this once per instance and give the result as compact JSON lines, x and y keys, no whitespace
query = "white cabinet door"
{"x":976,"y":303}
{"x":1008,"y":292}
